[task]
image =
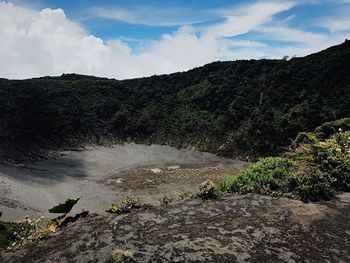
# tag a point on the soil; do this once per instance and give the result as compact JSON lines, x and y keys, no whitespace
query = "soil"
{"x":234,"y":228}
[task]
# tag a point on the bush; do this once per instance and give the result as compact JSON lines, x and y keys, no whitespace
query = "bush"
{"x":314,"y":169}
{"x":329,"y":128}
{"x":208,"y":190}
{"x":268,"y":176}
{"x":312,"y":187}
{"x":333,"y":158}
{"x":125,"y":206}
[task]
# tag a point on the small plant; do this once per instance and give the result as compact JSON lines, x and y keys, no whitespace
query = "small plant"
{"x":62,"y":208}
{"x":65,"y":207}
{"x":64,"y":220}
{"x":125,"y":206}
{"x":208,"y":190}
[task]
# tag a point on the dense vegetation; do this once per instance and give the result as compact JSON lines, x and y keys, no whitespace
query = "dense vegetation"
{"x":243,"y":108}
{"x":316,"y":167}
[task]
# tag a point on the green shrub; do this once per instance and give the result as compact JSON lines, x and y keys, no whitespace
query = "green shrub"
{"x":312,"y":187}
{"x":333,"y":158}
{"x":329,"y":128}
{"x":208,"y":190}
{"x":125,"y":206}
{"x":267,"y":176}
{"x":314,"y":169}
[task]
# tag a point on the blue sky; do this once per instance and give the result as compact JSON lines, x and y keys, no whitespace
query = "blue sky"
{"x":126,"y":39}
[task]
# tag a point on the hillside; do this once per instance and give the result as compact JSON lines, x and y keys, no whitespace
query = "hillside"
{"x":243,"y":109}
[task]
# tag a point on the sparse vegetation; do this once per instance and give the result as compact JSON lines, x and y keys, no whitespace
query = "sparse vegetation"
{"x":13,"y":233}
{"x":125,"y":206}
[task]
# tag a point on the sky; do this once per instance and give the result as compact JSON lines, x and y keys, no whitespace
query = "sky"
{"x":136,"y":38}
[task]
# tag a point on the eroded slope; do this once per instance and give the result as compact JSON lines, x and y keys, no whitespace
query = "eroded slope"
{"x":233,"y":229}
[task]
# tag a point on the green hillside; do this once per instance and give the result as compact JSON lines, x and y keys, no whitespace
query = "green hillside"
{"x":243,"y":109}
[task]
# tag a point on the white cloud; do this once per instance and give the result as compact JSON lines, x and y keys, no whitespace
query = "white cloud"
{"x":36,"y":43}
{"x":149,"y":16}
{"x":338,"y":25}
{"x":247,"y":18}
{"x":284,"y":33}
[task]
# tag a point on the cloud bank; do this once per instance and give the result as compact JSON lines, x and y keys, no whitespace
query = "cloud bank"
{"x":45,"y":42}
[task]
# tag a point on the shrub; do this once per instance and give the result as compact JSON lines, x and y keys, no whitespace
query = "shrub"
{"x":333,"y":158}
{"x":125,"y":206}
{"x":208,"y":190}
{"x":311,"y":187}
{"x":314,"y":169}
{"x":268,"y":176}
{"x":329,"y":128}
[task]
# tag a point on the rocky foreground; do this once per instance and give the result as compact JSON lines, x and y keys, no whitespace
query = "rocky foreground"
{"x":235,"y":228}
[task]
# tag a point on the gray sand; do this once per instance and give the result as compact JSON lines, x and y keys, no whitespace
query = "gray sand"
{"x":30,"y":189}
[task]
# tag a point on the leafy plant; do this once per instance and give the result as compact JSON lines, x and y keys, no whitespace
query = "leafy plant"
{"x":66,"y":206}
{"x":208,"y":190}
{"x":125,"y":206}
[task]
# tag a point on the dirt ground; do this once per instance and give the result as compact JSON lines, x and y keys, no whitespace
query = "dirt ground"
{"x":235,"y":228}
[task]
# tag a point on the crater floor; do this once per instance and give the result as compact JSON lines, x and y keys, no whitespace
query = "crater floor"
{"x":104,"y":175}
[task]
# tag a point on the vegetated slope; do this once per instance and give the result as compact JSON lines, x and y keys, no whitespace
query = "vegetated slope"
{"x":242,"y":108}
{"x":317,"y":166}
